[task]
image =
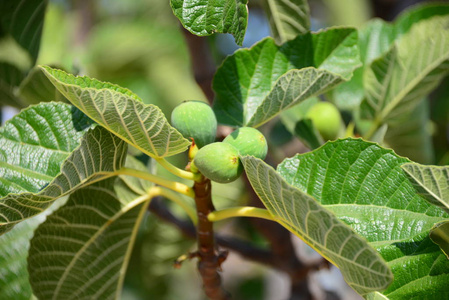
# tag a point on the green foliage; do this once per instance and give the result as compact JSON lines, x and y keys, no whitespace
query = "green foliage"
{"x":86,"y":237}
{"x":382,"y":219}
{"x":365,"y":186}
{"x":288,"y":18}
{"x":209,"y":16}
{"x":69,"y":154}
{"x":254,"y":85}
{"x":121,"y":112}
{"x":359,"y":263}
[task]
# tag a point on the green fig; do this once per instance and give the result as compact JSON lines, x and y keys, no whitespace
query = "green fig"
{"x":326,"y":118}
{"x":248,"y":141}
{"x":219,"y":162}
{"x":196,"y":120}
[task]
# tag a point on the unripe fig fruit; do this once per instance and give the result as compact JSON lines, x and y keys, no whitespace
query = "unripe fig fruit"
{"x":326,"y":118}
{"x":248,"y":141}
{"x":195,"y":119}
{"x":219,"y":162}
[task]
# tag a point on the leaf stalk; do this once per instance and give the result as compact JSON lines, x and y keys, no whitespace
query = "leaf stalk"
{"x":241,"y":211}
{"x":177,"y":171}
{"x":188,"y":208}
{"x":172,"y":185}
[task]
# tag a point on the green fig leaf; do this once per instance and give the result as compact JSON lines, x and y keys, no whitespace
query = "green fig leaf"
{"x":397,"y":81}
{"x":364,"y":185}
{"x":82,"y":250}
{"x":39,"y":166}
{"x":37,"y":88}
{"x":375,"y":39}
{"x":24,"y":21}
{"x":440,"y":236}
{"x":206,"y":17}
{"x":254,"y":85}
{"x":122,"y":112}
{"x":288,"y":18}
{"x":362,"y":267}
{"x":14,"y":246}
{"x":430,"y":181}
{"x":10,"y":78}
{"x":411,"y":137}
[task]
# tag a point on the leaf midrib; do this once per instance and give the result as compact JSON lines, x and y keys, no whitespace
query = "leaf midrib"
{"x":404,"y":91}
{"x":118,"y":214}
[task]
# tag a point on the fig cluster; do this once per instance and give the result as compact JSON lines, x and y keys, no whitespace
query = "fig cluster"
{"x":219,"y":161}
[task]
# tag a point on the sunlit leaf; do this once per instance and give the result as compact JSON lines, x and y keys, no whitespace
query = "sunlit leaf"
{"x":122,"y":112}
{"x":362,"y":267}
{"x":431,"y":181}
{"x":254,"y":85}
{"x":47,"y":151}
{"x":288,"y":18}
{"x":82,"y":249}
{"x":364,"y":185}
{"x":204,"y":17}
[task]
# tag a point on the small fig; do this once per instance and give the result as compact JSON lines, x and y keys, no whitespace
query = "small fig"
{"x":248,"y":141}
{"x":195,"y":119}
{"x":326,"y":118}
{"x":219,"y":162}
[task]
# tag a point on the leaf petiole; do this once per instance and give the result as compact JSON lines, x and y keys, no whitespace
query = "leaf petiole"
{"x":241,"y":211}
{"x":177,"y":171}
{"x":172,"y":185}
{"x":188,"y":208}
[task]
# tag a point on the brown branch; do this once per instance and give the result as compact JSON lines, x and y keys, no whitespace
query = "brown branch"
{"x":209,"y":259}
{"x":203,"y":65}
{"x":239,"y":246}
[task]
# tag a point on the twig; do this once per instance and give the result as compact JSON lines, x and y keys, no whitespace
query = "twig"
{"x":241,"y":247}
{"x":202,"y":63}
{"x":209,"y":260}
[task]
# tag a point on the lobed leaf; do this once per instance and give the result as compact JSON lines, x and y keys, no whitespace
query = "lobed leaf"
{"x":288,"y":18}
{"x":362,"y":267}
{"x":47,"y":151}
{"x":205,"y":17}
{"x":82,"y":250}
{"x":364,"y":185}
{"x":121,"y":112}
{"x":249,"y":82}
